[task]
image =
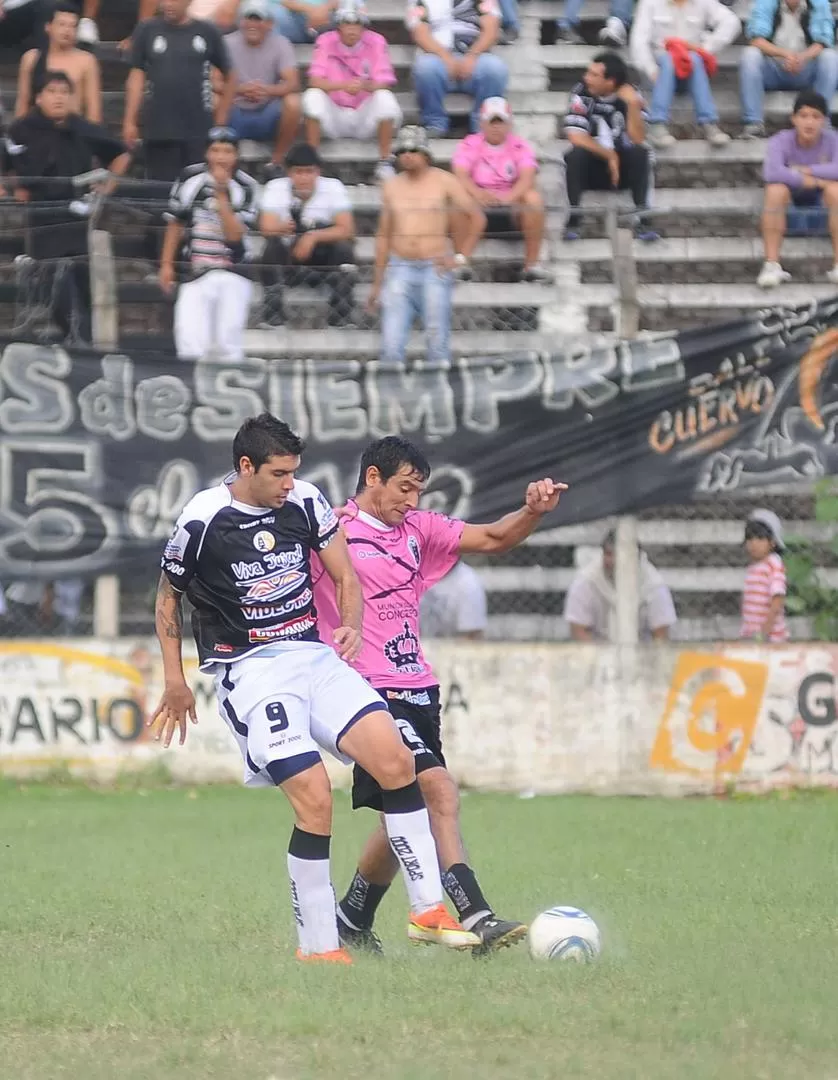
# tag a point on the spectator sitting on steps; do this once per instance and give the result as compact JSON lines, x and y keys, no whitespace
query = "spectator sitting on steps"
{"x":350,"y":80}
{"x":498,"y":168}
{"x":591,"y":603}
{"x":80,"y":66}
{"x":267,"y":104}
{"x":614,"y":34}
{"x":674,"y":43}
{"x":455,"y":40}
{"x":606,"y":131}
{"x":800,"y":170}
{"x":456,"y":606}
{"x":789,"y":48}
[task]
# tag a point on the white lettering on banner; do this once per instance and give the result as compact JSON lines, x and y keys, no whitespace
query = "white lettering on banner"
{"x":334,"y":400}
{"x":227,"y":397}
{"x":152,"y":510}
{"x":287,"y":393}
{"x":422,"y":399}
{"x":39,"y":402}
{"x":106,"y":407}
{"x":490,"y":382}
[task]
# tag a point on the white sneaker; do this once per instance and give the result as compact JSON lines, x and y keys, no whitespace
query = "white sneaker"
{"x":714,"y":135}
{"x":772,"y":275}
{"x":660,"y":136}
{"x":87,"y":32}
{"x":613,"y":33}
{"x":832,"y":275}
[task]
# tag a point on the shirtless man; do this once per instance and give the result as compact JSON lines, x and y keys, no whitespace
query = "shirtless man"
{"x":80,"y":66}
{"x":413,"y":250}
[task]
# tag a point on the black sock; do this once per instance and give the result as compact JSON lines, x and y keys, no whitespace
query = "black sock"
{"x":466,"y":895}
{"x":359,"y":905}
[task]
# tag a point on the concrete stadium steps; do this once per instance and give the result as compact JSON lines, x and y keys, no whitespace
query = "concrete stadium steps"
{"x":364,"y":345}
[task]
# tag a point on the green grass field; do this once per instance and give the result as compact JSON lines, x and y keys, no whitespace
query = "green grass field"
{"x":147,"y":934}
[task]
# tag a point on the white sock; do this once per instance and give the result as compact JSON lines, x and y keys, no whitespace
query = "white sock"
{"x":409,"y":830}
{"x":312,"y":895}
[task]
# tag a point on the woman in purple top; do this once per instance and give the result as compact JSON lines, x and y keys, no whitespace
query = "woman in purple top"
{"x":801,"y":170}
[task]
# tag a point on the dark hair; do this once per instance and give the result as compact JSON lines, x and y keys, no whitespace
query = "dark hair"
{"x":614,"y":67}
{"x":388,"y":455}
{"x":758,"y":530}
{"x":262,"y":437}
{"x":810,"y":99}
{"x":65,"y":7}
{"x":54,"y":77}
{"x":302,"y":156}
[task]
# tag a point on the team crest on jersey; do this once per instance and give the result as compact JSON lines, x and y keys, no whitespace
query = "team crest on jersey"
{"x":403,"y":652}
{"x":264,"y":541}
{"x":198,"y":44}
{"x":413,"y":548}
{"x":159,"y":45}
{"x":273,"y":587}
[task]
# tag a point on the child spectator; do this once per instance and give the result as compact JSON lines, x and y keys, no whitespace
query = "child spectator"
{"x":763,"y":617}
{"x":349,"y":93}
{"x":801,"y":169}
{"x":498,"y":168}
{"x":674,"y":43}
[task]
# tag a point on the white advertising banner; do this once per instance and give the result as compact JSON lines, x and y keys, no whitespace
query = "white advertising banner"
{"x":542,"y":718}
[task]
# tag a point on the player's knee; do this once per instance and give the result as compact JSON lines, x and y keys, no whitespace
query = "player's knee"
{"x":441,"y":795}
{"x":395,"y":770}
{"x":315,"y":102}
{"x":310,"y":796}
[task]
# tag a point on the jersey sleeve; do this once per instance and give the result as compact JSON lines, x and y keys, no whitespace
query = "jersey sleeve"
{"x":180,"y":206}
{"x":139,"y":46}
{"x":322,"y":518}
{"x":180,"y":555}
{"x":217,"y":54}
{"x":466,"y":154}
{"x":576,"y":117}
{"x":441,"y":548}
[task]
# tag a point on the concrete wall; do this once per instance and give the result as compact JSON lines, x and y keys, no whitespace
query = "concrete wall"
{"x":542,"y":718}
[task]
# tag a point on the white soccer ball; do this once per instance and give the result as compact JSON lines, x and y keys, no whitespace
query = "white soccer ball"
{"x":564,"y":933}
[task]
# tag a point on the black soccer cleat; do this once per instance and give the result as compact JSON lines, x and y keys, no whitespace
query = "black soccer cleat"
{"x":496,"y":934}
{"x":359,"y":940}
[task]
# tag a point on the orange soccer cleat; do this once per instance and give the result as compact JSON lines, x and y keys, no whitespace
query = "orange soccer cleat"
{"x":436,"y":927}
{"x":336,"y":956}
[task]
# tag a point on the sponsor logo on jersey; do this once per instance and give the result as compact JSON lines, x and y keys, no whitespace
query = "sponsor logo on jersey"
{"x":388,"y":614}
{"x":412,"y":697}
{"x":329,"y":519}
{"x":269,"y":520}
{"x":273,"y":587}
{"x":224,"y":648}
{"x":285,"y":560}
{"x":176,"y":545}
{"x":246,"y":571}
{"x":373,"y":554}
{"x":295,"y":628}
{"x":264,"y":541}
{"x":404,"y":853}
{"x":174,"y":568}
{"x":256,"y":613}
{"x":402,"y":651}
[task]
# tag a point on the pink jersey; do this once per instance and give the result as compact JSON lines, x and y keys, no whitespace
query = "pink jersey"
{"x":763,"y":581}
{"x":368,"y":60}
{"x":494,"y":168}
{"x":396,"y":565}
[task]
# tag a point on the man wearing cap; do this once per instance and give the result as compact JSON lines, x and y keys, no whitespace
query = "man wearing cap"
{"x":212,"y":206}
{"x":349,"y":93}
{"x":498,"y":167}
{"x":308,"y":220}
{"x":455,"y":39}
{"x":415,"y":266}
{"x":267,"y":104}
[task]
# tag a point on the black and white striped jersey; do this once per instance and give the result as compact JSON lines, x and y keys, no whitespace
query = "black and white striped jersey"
{"x":192,"y":202}
{"x":247,"y":570}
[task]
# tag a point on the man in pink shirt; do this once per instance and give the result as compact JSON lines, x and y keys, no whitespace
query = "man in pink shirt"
{"x":498,"y":169}
{"x":349,"y":93}
{"x":398,"y":553}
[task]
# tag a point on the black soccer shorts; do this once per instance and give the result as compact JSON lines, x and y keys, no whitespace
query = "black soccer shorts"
{"x":417,"y":713}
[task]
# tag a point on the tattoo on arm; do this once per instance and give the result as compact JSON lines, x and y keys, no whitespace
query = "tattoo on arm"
{"x":168,"y":610}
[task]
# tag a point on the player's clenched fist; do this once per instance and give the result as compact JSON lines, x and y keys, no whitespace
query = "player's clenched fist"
{"x":543,"y":495}
{"x":348,"y":642}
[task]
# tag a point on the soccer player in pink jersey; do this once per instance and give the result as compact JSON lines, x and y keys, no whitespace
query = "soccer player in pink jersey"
{"x":399,"y":552}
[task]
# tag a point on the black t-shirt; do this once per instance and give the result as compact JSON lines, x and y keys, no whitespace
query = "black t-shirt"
{"x":177,"y":62}
{"x":246,"y":571}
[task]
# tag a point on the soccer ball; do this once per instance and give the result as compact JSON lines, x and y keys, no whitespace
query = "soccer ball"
{"x":564,"y":933}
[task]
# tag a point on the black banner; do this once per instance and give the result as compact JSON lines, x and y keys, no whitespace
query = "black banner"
{"x":98,"y":452}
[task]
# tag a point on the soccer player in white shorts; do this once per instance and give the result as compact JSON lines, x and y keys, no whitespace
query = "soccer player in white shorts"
{"x":241,"y":552}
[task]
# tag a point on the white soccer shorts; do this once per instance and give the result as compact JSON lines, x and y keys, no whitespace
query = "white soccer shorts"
{"x":337,"y":122}
{"x":285,"y":703}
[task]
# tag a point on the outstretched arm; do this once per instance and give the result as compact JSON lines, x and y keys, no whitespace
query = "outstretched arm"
{"x":177,"y":701}
{"x":509,"y":531}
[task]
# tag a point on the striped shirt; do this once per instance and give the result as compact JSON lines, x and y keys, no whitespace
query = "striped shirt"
{"x":192,"y":203}
{"x":763,"y":581}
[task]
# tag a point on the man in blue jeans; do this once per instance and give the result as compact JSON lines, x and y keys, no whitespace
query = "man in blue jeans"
{"x":267,"y":105}
{"x":615,"y":32}
{"x":789,"y":48}
{"x":455,"y":42}
{"x":414,"y":267}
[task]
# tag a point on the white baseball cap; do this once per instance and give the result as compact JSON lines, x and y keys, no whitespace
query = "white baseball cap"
{"x":495,"y":108}
{"x":255,"y":9}
{"x":770,"y":520}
